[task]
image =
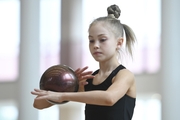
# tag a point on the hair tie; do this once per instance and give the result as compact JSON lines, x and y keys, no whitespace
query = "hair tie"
{"x":111,"y":15}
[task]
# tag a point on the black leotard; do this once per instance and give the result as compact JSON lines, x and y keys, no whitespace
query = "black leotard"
{"x":122,"y":110}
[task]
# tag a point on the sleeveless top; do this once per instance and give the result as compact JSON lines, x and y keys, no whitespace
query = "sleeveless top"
{"x":122,"y":110}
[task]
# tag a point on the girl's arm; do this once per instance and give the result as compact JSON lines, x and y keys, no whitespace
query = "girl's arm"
{"x":122,"y":84}
{"x":41,"y":103}
{"x":82,"y":76}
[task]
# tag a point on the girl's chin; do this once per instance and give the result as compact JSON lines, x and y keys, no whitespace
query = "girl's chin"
{"x":98,"y":60}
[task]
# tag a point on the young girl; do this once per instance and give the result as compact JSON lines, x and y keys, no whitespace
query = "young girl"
{"x":110,"y":92}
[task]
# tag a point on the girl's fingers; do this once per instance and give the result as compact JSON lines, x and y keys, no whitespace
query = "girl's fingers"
{"x":39,"y":92}
{"x":84,"y":83}
{"x":76,"y":71}
{"x":86,"y":77}
{"x":82,"y":75}
{"x":79,"y":71}
{"x":36,"y":93}
{"x":86,"y":73}
{"x":41,"y":97}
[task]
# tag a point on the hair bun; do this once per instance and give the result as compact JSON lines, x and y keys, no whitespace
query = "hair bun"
{"x":114,"y":11}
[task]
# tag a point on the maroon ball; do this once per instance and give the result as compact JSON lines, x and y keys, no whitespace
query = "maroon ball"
{"x":59,"y":78}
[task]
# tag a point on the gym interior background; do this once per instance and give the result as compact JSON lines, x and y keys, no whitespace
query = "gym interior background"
{"x":36,"y":34}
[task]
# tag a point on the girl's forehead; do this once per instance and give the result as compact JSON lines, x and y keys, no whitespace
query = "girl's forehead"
{"x":98,"y":28}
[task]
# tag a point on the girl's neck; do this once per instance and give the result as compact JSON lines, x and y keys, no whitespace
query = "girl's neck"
{"x":108,"y":66}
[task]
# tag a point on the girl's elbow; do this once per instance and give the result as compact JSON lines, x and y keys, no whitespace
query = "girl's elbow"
{"x":38,"y":106}
{"x":110,"y":101}
{"x":41,"y":106}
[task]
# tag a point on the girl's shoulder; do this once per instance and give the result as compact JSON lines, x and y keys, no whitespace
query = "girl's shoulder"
{"x":125,"y":74}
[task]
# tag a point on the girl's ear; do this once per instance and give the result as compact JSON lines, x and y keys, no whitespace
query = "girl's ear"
{"x":120,"y":43}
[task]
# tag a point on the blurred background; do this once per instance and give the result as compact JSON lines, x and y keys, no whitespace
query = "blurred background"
{"x":36,"y":34}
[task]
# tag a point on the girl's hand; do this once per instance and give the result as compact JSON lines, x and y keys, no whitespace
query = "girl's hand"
{"x":47,"y":95}
{"x":83,"y":76}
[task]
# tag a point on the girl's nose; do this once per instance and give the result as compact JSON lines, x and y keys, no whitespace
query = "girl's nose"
{"x":96,"y":45}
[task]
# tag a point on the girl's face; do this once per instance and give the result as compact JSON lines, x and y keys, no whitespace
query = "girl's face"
{"x":102,"y":43}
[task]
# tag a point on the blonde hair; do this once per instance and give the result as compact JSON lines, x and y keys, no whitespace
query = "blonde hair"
{"x":117,"y":27}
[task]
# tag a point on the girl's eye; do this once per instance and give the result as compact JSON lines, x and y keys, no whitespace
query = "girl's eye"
{"x":91,"y":41}
{"x":102,"y":40}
